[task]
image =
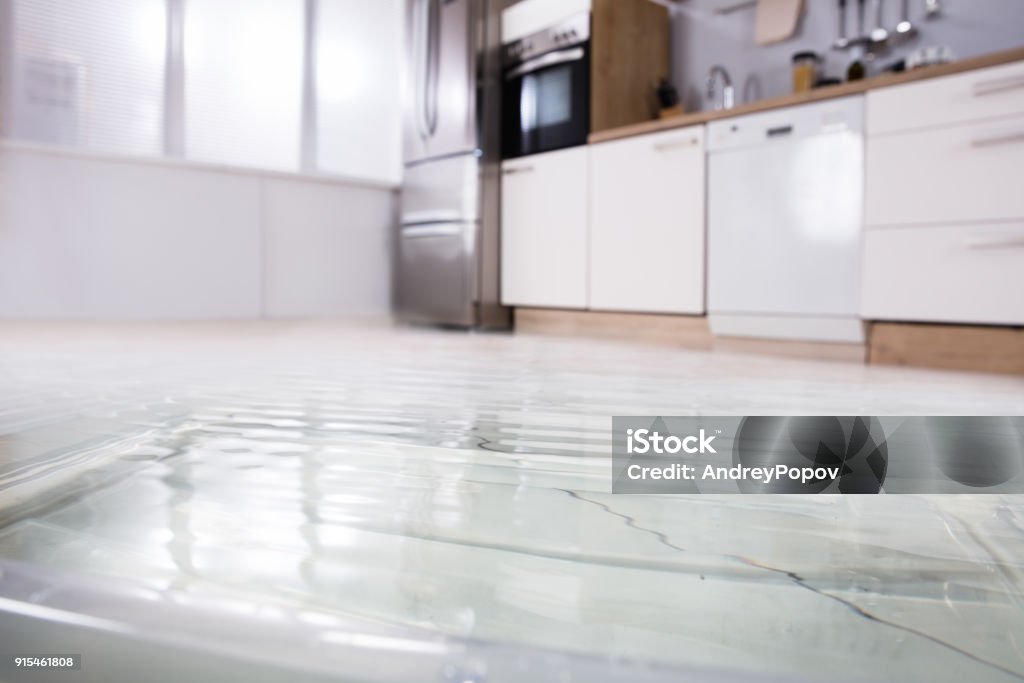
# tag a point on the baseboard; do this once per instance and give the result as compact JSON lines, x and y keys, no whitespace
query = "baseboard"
{"x":680,"y":331}
{"x":949,"y":347}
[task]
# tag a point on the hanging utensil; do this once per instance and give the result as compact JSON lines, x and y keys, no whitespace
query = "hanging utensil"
{"x":905,"y":27}
{"x":879,"y":34}
{"x":842,"y":40}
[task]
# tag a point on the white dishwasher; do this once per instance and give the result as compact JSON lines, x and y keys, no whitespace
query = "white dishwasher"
{"x":785,"y":207}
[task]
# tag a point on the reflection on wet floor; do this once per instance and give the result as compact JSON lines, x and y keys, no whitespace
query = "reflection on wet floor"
{"x":460,"y":484}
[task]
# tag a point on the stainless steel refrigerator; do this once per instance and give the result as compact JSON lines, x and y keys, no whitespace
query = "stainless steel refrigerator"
{"x":447,"y":249}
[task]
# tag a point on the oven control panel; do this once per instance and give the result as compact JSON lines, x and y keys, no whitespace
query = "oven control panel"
{"x":570,"y":32}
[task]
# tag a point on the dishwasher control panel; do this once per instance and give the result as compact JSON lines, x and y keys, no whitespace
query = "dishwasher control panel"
{"x":790,"y":123}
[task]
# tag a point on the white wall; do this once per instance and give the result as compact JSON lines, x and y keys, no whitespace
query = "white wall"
{"x":86,"y":237}
{"x":327,"y":249}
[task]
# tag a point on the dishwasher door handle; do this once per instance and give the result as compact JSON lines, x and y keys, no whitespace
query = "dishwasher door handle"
{"x":779,"y":132}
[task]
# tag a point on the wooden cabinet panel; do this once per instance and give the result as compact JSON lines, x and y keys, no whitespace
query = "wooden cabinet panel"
{"x":630,"y":55}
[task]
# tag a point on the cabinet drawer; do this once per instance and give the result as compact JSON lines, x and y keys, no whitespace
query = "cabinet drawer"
{"x":963,"y":174}
{"x":972,"y":96}
{"x":957,"y":274}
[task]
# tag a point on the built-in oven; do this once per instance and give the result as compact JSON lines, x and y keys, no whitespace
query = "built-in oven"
{"x":546,"y":92}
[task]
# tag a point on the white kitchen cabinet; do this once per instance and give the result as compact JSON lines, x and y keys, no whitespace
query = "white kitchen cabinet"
{"x":544,"y":230}
{"x":944,"y":210}
{"x":997,"y":91}
{"x":647,"y":223}
{"x":958,"y":274}
{"x":970,"y":172}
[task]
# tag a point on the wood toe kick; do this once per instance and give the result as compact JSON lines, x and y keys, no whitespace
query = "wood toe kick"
{"x":976,"y":348}
{"x":971,"y":348}
{"x":682,"y":331}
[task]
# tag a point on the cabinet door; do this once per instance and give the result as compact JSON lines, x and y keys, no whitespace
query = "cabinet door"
{"x":647,"y":223}
{"x":544,"y":230}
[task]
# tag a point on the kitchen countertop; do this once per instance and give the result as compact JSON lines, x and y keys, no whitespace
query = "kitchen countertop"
{"x":825,"y":93}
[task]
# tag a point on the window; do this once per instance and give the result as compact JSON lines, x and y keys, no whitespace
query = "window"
{"x":243,"y":82}
{"x":357,"y":85}
{"x":88,"y":74}
{"x":95,"y":75}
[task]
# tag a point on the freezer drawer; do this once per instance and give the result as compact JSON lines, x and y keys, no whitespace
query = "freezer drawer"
{"x":960,"y":274}
{"x":435,"y":282}
{"x":962,"y":174}
{"x":441,"y":191}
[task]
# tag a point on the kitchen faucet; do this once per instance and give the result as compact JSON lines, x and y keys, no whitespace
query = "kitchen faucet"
{"x":728,"y":94}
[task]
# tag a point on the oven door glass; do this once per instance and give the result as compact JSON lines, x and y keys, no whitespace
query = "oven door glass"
{"x":547,"y":103}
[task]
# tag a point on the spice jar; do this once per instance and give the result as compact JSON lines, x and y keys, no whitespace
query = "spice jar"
{"x":805,"y":71}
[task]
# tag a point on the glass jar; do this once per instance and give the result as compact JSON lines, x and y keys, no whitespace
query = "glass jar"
{"x":805,"y":71}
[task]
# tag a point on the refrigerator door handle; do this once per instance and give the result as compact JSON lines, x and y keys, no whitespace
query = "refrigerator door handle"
{"x":421,"y":67}
{"x":433,"y":58}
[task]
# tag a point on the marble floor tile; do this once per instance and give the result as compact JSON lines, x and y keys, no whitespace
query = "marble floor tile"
{"x":459,"y":485}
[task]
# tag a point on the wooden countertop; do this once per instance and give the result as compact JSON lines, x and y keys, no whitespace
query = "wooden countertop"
{"x":825,"y":93}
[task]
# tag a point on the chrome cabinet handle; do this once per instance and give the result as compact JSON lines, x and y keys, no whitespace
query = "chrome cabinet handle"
{"x":674,"y":144}
{"x":998,"y":85}
{"x":517,"y":169}
{"x":996,"y":243}
{"x":421,"y":48}
{"x":998,"y":140}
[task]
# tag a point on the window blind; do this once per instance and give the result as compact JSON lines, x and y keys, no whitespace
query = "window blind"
{"x":87,"y":74}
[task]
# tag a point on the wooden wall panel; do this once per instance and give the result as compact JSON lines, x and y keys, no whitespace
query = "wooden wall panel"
{"x":630,"y":54}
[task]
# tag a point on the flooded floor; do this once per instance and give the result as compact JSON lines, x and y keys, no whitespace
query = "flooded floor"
{"x":454,"y":488}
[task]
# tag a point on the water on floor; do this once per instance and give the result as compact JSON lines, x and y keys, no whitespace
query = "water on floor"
{"x":457,"y":486}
